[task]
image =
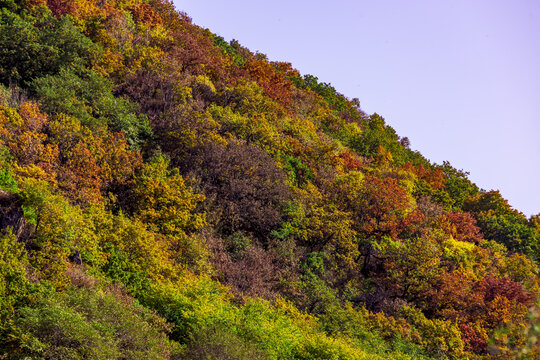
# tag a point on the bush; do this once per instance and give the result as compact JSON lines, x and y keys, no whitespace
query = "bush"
{"x":87,"y":324}
{"x":219,"y":342}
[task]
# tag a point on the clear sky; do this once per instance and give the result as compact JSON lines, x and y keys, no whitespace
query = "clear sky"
{"x":460,"y":78}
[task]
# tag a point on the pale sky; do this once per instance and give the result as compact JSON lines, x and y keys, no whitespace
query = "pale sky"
{"x":460,"y":78}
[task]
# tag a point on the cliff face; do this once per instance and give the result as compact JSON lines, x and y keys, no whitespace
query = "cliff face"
{"x":167,"y":194}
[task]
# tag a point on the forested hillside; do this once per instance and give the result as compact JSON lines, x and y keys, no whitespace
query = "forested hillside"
{"x":166,"y":194}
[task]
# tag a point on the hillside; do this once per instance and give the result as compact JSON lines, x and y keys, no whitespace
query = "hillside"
{"x":165,"y":194}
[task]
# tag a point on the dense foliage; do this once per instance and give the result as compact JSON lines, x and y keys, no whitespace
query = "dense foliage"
{"x":165,"y":194}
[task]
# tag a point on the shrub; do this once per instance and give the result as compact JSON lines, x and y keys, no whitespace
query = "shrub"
{"x":219,"y":342}
{"x":87,"y":324}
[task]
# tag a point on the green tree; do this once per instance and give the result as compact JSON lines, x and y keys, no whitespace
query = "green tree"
{"x":33,"y":47}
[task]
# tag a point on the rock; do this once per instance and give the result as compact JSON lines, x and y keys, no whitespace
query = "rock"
{"x":12,"y":216}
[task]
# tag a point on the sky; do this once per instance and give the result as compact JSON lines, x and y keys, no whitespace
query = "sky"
{"x":460,"y":79}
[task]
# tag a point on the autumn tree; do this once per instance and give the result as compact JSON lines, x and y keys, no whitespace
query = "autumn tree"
{"x":162,"y":198}
{"x":243,"y":185}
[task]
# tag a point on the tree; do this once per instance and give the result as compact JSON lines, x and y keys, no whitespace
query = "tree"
{"x":461,"y":226}
{"x":243,"y":184}
{"x":86,"y":95}
{"x":33,"y":47}
{"x":164,"y":201}
{"x":14,"y":290}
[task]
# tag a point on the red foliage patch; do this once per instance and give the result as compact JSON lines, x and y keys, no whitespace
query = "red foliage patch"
{"x":351,"y":162}
{"x":61,"y":7}
{"x":462,"y":226}
{"x":492,"y":287}
{"x":473,"y":341}
{"x":144,"y":13}
{"x":274,"y":84}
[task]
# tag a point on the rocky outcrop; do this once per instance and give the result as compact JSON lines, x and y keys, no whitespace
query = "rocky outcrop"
{"x":12,"y":216}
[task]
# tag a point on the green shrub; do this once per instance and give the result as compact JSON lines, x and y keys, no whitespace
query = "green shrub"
{"x":89,"y":324}
{"x":219,"y":342}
